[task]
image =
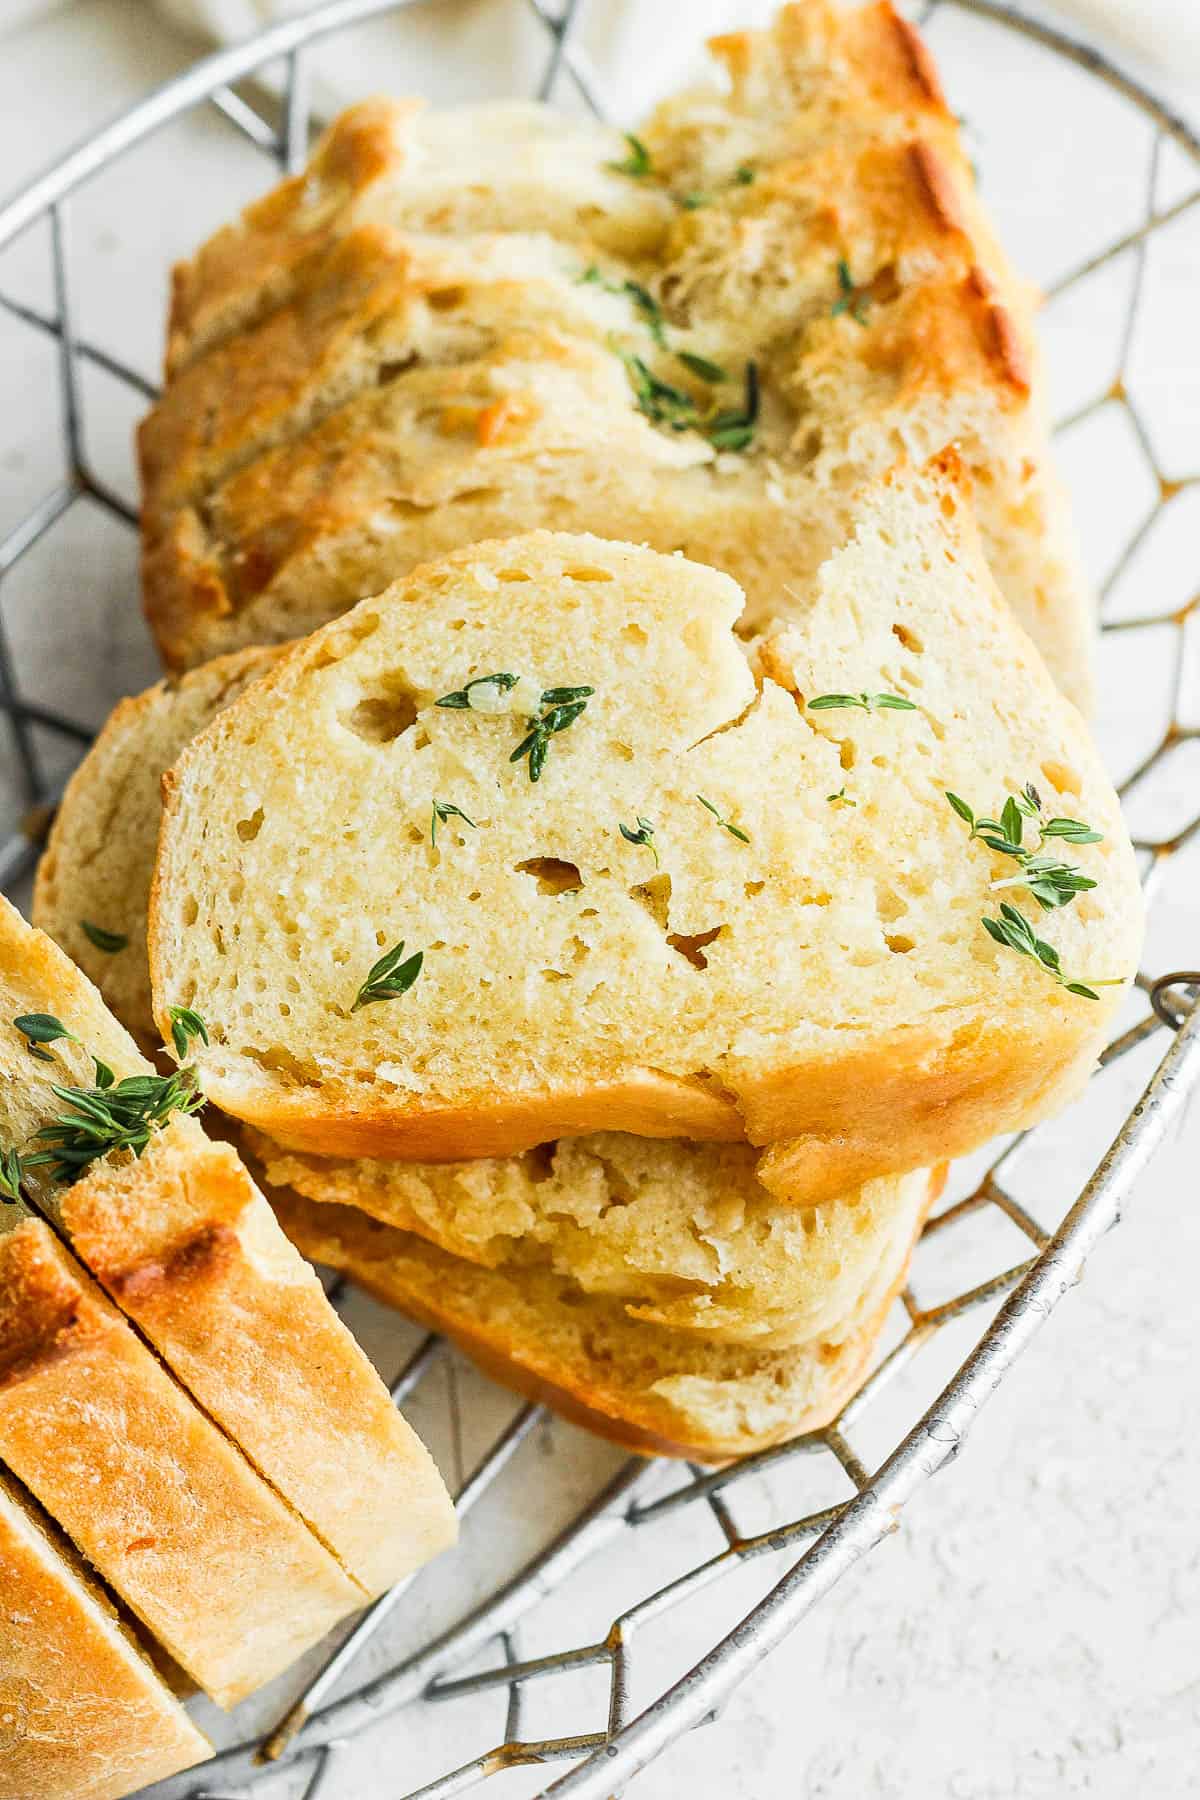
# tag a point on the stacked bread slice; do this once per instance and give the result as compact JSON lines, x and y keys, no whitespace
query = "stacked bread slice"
{"x":178,"y":1396}
{"x":721,"y":913}
{"x":463,"y":326}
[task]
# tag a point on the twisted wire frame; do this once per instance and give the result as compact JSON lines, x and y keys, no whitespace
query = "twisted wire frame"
{"x":816,"y":1545}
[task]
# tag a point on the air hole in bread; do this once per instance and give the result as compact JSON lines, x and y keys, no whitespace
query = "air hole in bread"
{"x":588,"y":574}
{"x":889,"y":905}
{"x":381,"y":718}
{"x":415,"y":835}
{"x":899,"y":944}
{"x":342,"y":641}
{"x":191,"y":910}
{"x":446,"y":299}
{"x":692,"y":946}
{"x":750,"y":888}
{"x":846,"y":754}
{"x":624,"y":751}
{"x":540,"y":1161}
{"x":281,"y":1062}
{"x":553,"y":876}
{"x":655,"y":896}
{"x":248,"y":829}
{"x":634,"y":634}
{"x":1062,"y":776}
{"x":388,"y":371}
{"x":513,"y":575}
{"x":909,"y":639}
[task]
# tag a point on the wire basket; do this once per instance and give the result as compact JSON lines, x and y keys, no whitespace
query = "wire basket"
{"x":505,"y":1624}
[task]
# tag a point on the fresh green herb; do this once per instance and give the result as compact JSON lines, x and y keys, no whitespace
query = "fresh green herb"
{"x":637,"y":164}
{"x":104,"y":1075}
{"x":442,"y":810}
{"x":867,"y":702}
{"x":1014,"y":931}
{"x":700,"y":365}
{"x":108,"y":941}
{"x":734,"y":430}
{"x":1051,"y":882}
{"x":642,"y":299}
{"x":842,"y":797}
{"x":40,"y":1029}
{"x":733,"y":830}
{"x":12,"y":1173}
{"x":693,"y":202}
{"x":461,"y":697}
{"x":743,"y":175}
{"x":851,"y":299}
{"x":664,"y":404}
{"x":186,"y":1025}
{"x":643,"y":835}
{"x":120,"y":1116}
{"x":561,"y":706}
{"x":390,"y":977}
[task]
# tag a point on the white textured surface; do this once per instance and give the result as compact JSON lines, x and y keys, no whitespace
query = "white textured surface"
{"x":1032,"y":1631}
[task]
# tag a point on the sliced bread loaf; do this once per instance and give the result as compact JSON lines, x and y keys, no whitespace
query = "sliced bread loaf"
{"x":639,"y":1383}
{"x":83,"y":1713}
{"x":469,"y":325}
{"x":183,"y":1241}
{"x":787,"y":940}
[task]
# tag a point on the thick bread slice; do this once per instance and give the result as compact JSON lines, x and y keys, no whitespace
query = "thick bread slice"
{"x":96,"y":867}
{"x":185,"y":1244}
{"x":656,"y":1390}
{"x":829,"y":979}
{"x":683,"y":1234}
{"x":428,"y":339}
{"x":83,"y":1714}
{"x":161,"y":1504}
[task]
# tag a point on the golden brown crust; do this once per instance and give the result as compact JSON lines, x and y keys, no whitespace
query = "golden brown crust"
{"x":162,"y":1505}
{"x":637,"y":1384}
{"x":83,"y":1715}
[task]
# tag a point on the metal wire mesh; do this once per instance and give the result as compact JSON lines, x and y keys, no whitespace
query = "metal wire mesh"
{"x":1024,"y":1191}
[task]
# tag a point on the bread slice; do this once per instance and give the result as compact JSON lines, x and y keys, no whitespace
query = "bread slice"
{"x":806,"y":959}
{"x":93,"y":882}
{"x":185,"y":1244}
{"x":83,"y":1714}
{"x":684,"y":1235}
{"x":161,"y":1504}
{"x":429,"y":339}
{"x":641,"y":1384}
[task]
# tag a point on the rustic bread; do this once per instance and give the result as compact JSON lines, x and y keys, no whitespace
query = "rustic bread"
{"x":157,"y":1500}
{"x":83,"y":1714}
{"x":95,"y":872}
{"x":639,"y":1383}
{"x":426,"y":339}
{"x":185,"y":1244}
{"x":683,"y":1234}
{"x":807,"y":959}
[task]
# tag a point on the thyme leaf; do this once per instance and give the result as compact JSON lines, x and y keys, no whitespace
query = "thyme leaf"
{"x":744,"y":174}
{"x":186,"y":1025}
{"x":842,"y":797}
{"x":734,"y":430}
{"x":644,"y":835}
{"x":12,"y":1173}
{"x":390,"y":977}
{"x":865,"y":702}
{"x":40,"y":1029}
{"x":108,"y":941}
{"x":851,"y":298}
{"x":460,"y":699}
{"x":561,"y":706}
{"x":638,"y":164}
{"x":735,"y":831}
{"x":443,"y":810}
{"x":699,"y":365}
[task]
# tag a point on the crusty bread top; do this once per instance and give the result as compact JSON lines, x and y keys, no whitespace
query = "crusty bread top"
{"x":427,"y":341}
{"x":83,"y":1714}
{"x":569,"y":983}
{"x":183,"y":1241}
{"x":97,"y":863}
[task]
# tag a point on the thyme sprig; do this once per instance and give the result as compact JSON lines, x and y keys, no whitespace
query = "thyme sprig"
{"x":841,"y":798}
{"x":1014,"y":931}
{"x":1052,"y":882}
{"x":851,"y":298}
{"x":638,"y":164}
{"x":120,"y":1115}
{"x":735,"y":831}
{"x":40,"y":1029}
{"x":734,"y":429}
{"x":642,"y":298}
{"x":662,"y":402}
{"x":186,"y":1024}
{"x":108,"y":941}
{"x":390,"y":977}
{"x":643,"y":835}
{"x":460,"y":699}
{"x":866,"y":702}
{"x":561,"y":706}
{"x":443,"y":810}
{"x":12,"y":1173}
